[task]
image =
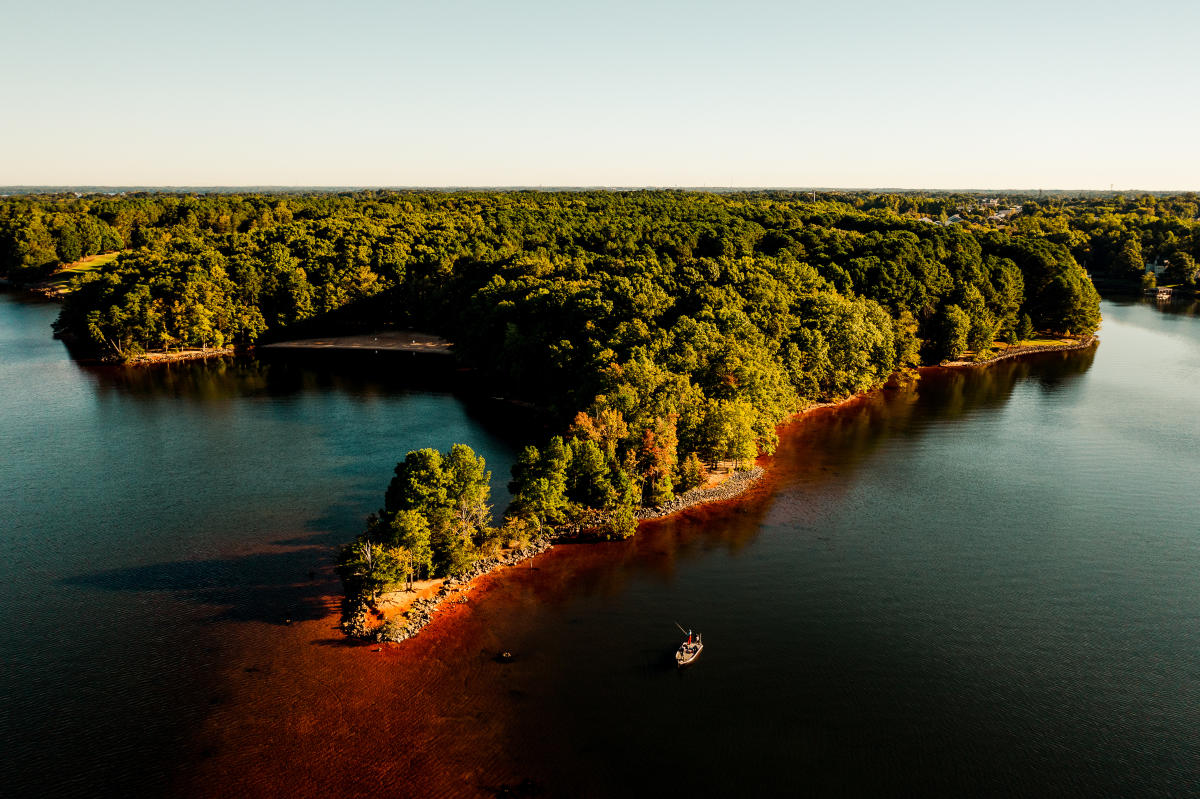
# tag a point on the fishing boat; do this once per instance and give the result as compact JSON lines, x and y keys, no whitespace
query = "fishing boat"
{"x":690,"y":649}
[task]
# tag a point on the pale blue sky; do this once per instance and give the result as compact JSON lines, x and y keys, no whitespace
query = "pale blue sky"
{"x":862,"y":93}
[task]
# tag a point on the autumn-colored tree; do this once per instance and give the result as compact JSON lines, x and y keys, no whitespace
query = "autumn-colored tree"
{"x":691,"y":472}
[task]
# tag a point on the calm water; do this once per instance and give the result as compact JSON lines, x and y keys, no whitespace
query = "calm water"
{"x":988,"y":584}
{"x":149,"y":515}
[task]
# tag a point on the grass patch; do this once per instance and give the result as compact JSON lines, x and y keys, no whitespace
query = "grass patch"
{"x":62,"y":276}
{"x":1044,"y":342}
{"x":999,"y":348}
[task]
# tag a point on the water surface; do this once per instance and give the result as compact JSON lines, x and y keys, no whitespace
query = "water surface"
{"x":986,"y":584}
{"x":156,"y":518}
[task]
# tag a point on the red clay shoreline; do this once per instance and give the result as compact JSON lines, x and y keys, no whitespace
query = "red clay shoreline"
{"x":716,"y":496}
{"x":305,"y":708}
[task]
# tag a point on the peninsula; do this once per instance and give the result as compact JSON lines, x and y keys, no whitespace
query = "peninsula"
{"x":661,"y":336}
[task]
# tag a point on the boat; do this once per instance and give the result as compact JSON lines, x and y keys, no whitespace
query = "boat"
{"x":689,"y":650}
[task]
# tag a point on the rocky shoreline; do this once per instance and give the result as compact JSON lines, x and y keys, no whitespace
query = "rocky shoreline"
{"x":420,"y":612}
{"x":357,"y":615}
{"x":180,"y":355}
{"x":736,"y":484}
{"x":1018,"y":351}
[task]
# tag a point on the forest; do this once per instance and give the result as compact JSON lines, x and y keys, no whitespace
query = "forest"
{"x":661,"y":332}
{"x":1118,"y":239}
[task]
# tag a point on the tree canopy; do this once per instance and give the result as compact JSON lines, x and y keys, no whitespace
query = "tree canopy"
{"x":660,"y":330}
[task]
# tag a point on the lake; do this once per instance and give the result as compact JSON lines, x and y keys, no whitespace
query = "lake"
{"x":986,"y":583}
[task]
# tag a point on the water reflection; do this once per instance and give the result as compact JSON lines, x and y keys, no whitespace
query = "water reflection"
{"x":156,"y":520}
{"x":359,"y":378}
{"x":1181,"y":306}
{"x":821,"y":448}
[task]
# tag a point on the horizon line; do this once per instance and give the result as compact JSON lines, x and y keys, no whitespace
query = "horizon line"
{"x":31,"y":188}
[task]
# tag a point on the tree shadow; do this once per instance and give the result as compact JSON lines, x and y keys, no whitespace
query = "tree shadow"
{"x":364,"y":315}
{"x":290,"y":582}
{"x":344,"y":643}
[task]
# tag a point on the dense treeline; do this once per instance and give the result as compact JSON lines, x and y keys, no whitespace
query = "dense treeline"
{"x":1118,"y":238}
{"x":669,"y":330}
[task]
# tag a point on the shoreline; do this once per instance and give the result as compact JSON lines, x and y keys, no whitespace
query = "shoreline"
{"x":1017,"y":350}
{"x":380,"y":341}
{"x":734,"y":485}
{"x":427,"y":343}
{"x":149,"y":358}
{"x":421,"y":612}
{"x":303,"y":693}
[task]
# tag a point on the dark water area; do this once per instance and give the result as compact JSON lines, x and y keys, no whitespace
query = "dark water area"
{"x":985,"y":584}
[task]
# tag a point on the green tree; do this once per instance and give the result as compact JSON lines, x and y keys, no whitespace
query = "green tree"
{"x":374,"y":566}
{"x":420,"y":484}
{"x":468,"y":486}
{"x":539,"y":485}
{"x":715,"y":433}
{"x":1129,"y":263}
{"x":453,"y":549}
{"x":519,"y":531}
{"x":622,"y":522}
{"x":742,"y":444}
{"x":410,"y":530}
{"x":1181,"y":269}
{"x":955,"y":328}
{"x":588,"y":475}
{"x":1025,"y":329}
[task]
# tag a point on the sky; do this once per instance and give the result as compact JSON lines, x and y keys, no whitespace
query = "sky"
{"x":850,"y":93}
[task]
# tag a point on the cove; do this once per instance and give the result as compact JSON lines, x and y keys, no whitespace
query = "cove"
{"x":156,"y":518}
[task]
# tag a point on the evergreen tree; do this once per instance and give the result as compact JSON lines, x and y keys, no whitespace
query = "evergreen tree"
{"x":468,"y":486}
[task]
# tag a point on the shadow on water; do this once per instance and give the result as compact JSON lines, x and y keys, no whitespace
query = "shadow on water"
{"x":292,"y":581}
{"x":275,"y":585}
{"x":820,"y":448}
{"x":825,"y":445}
{"x":364,"y":377}
{"x":604,"y":605}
